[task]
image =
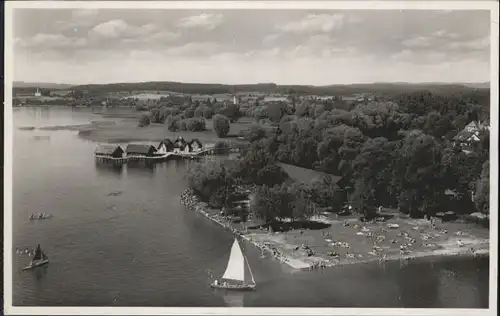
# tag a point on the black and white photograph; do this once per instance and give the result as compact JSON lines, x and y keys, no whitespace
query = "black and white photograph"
{"x":206,"y":156}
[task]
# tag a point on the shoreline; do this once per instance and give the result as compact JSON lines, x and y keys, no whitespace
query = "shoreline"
{"x":307,"y":263}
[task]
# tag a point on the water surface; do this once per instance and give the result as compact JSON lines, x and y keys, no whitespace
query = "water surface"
{"x":140,"y":247}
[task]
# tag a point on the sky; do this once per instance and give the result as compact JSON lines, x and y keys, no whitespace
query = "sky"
{"x":310,"y":47}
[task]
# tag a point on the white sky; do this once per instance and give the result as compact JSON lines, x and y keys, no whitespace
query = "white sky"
{"x":250,"y":46}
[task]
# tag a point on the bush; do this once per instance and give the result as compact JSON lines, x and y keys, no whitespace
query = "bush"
{"x":198,"y":112}
{"x":255,"y":133}
{"x":189,"y":113}
{"x":221,"y":125}
{"x":209,"y":179}
{"x":156,"y":116}
{"x":182,"y":125}
{"x":208,"y":113}
{"x":171,"y":123}
{"x":196,"y":124}
{"x":281,"y":202}
{"x":144,"y":121}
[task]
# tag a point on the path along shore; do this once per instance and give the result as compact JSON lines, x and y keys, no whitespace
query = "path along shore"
{"x":356,"y":242}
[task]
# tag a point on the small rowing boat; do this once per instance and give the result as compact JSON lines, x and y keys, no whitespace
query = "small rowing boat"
{"x":39,"y":259}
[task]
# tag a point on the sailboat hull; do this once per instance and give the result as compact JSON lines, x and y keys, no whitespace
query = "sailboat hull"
{"x":234,"y":287}
{"x":36,"y":264}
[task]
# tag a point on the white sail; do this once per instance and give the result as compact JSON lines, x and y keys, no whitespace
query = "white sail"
{"x":236,"y":266}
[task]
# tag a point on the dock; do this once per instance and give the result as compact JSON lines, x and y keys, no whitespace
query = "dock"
{"x":107,"y":159}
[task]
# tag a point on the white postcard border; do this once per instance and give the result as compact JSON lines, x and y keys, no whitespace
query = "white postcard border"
{"x":492,"y":6}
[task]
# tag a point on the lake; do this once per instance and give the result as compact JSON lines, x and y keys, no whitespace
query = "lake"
{"x":120,"y":237}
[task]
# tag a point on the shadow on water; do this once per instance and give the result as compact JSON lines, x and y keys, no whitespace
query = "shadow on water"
{"x":40,"y":273}
{"x":444,"y":282}
{"x":416,"y":291}
{"x":143,"y":168}
{"x":106,"y":170}
{"x":233,"y":298}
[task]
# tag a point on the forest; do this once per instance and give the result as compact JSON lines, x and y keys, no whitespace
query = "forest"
{"x":399,"y":152}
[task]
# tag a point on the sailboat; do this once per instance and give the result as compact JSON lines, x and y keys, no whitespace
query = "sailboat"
{"x":38,"y":260}
{"x":235,"y":276}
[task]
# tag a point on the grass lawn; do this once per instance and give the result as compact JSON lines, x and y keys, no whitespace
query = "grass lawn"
{"x":126,"y":130}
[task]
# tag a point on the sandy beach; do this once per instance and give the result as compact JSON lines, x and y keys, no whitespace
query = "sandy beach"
{"x":348,"y":241}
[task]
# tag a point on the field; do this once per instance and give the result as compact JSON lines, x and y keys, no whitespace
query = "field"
{"x":127,"y":130}
{"x":304,"y":175}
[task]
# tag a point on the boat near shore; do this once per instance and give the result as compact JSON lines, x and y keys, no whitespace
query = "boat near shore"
{"x":39,"y":216}
{"x":238,"y":275}
{"x":38,"y":260}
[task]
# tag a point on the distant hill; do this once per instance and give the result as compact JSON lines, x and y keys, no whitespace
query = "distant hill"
{"x":42,"y":85}
{"x":480,"y":85}
{"x":204,"y":88}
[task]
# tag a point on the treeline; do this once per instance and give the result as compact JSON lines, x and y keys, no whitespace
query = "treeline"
{"x":188,"y":115}
{"x":400,"y":154}
{"x":201,"y":88}
{"x":276,"y":196}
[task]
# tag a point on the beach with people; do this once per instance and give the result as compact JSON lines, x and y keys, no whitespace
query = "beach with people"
{"x":348,"y":240}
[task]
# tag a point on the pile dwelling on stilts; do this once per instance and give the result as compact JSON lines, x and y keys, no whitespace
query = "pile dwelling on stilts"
{"x":109,"y":154}
{"x":140,"y":152}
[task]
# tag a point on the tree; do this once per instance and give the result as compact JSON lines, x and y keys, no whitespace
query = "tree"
{"x":482,"y":194}
{"x":171,"y":123}
{"x":77,"y":94}
{"x":372,"y":174}
{"x":300,"y":203}
{"x":326,"y":193}
{"x":158,"y":115}
{"x":461,"y":169}
{"x":418,"y":175}
{"x":232,"y":111}
{"x":189,"y":113}
{"x":206,"y":179}
{"x":198,"y":112}
{"x":221,"y":125}
{"x":275,"y":111}
{"x":302,"y":109}
{"x":260,"y":113}
{"x":207,"y":113}
{"x":182,"y":125}
{"x":264,"y":204}
{"x":255,"y":133}
{"x":257,"y":166}
{"x":195,"y":124}
{"x":144,"y":121}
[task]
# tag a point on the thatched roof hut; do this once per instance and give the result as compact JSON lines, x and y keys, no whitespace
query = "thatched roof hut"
{"x":115,"y":151}
{"x":169,"y":145}
{"x":141,"y":150}
{"x":195,"y":142}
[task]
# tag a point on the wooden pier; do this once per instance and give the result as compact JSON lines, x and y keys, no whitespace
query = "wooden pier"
{"x":106,"y":159}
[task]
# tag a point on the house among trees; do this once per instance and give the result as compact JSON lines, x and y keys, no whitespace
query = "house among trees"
{"x":165,"y":146}
{"x":180,"y":141}
{"x":471,"y":134}
{"x":186,"y":148}
{"x":38,"y":93}
{"x":113,"y":151}
{"x":196,"y":145}
{"x":140,"y":150}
